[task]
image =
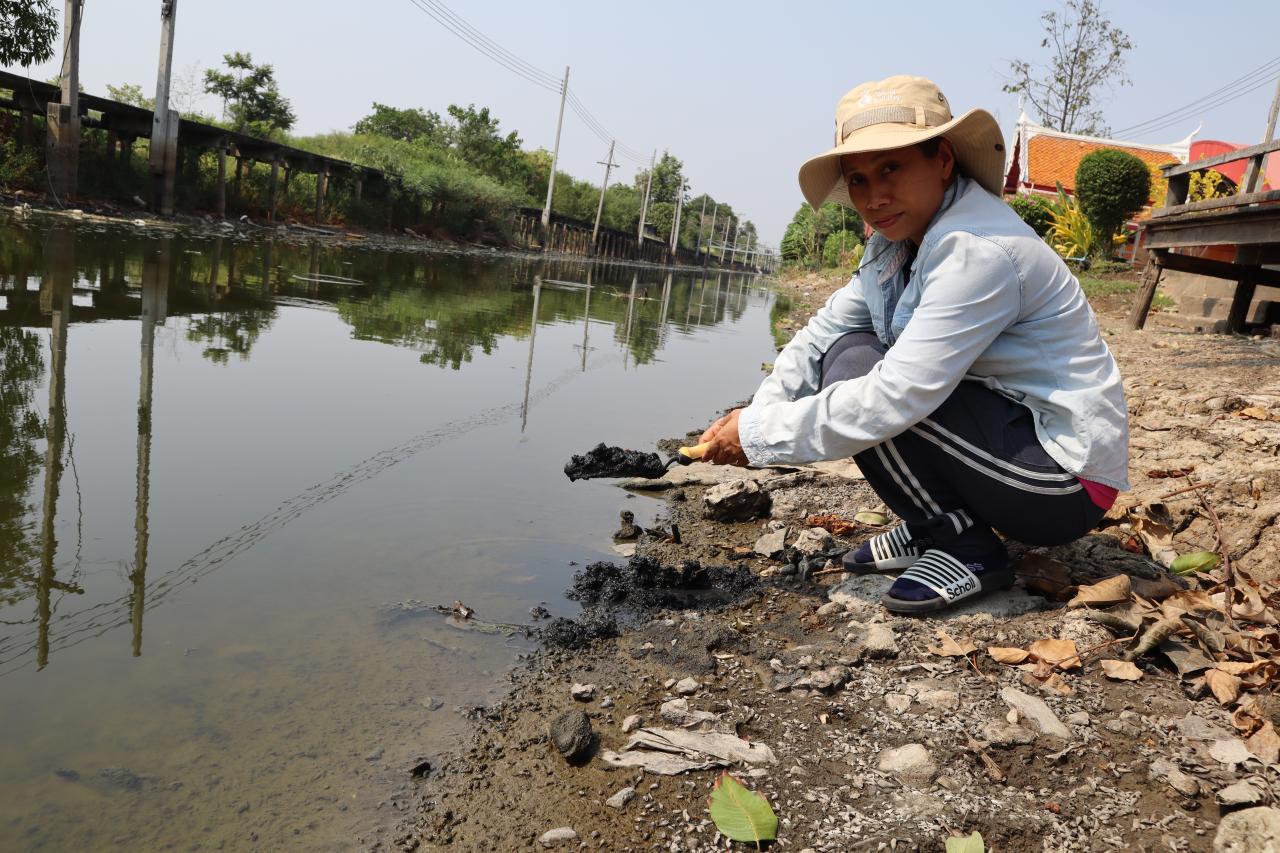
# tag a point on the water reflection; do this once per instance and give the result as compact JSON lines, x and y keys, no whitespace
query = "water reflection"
{"x":224,"y":295}
{"x":307,"y":432}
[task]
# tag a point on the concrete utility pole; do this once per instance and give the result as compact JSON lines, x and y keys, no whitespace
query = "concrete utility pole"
{"x":164,"y":123}
{"x":702,"y":221}
{"x":711,"y":233}
{"x":724,"y":244}
{"x":608,"y":167}
{"x":555,"y":157}
{"x":62,"y":146}
{"x":644,"y":208}
{"x":675,"y":226}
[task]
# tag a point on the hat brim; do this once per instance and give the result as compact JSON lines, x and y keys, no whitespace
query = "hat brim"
{"x":975,"y":136}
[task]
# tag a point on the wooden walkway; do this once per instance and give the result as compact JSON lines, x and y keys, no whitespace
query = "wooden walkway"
{"x":1245,"y":225}
{"x":124,"y":124}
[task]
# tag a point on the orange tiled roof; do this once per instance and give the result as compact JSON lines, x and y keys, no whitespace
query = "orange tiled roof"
{"x":1052,"y":159}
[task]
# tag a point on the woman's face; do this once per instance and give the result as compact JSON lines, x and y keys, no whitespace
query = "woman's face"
{"x":897,"y":192}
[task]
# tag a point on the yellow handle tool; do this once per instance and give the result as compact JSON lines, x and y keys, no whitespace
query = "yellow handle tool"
{"x":685,"y":455}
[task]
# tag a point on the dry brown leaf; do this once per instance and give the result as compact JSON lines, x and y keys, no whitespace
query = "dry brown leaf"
{"x":1155,"y":590}
{"x":1235,"y":667}
{"x":1113,"y":590}
{"x":1255,"y":412}
{"x":1187,"y":601}
{"x":1006,"y":654}
{"x":1225,"y":686}
{"x":949,"y":648}
{"x":1248,"y":717}
{"x":1120,"y":670}
{"x":1265,"y":743}
{"x":1059,"y":653}
{"x":1056,"y":684}
{"x":1157,"y":538}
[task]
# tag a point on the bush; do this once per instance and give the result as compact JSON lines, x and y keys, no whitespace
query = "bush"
{"x":1033,"y":210}
{"x":1070,"y":233}
{"x":1112,"y":186}
{"x":841,"y":249}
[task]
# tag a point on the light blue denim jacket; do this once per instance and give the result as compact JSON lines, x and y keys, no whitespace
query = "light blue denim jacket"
{"x":987,"y":301}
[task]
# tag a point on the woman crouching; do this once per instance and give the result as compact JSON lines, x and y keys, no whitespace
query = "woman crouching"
{"x":962,"y":366}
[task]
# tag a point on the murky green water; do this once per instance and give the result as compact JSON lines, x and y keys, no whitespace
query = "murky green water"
{"x":219,"y":458}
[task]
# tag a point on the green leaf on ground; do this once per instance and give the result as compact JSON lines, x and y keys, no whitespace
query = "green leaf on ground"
{"x":966,"y":844}
{"x":867,"y":516}
{"x":1197,"y":561}
{"x":740,"y":814}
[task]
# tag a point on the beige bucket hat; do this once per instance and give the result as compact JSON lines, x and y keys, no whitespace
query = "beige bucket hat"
{"x":897,"y":112}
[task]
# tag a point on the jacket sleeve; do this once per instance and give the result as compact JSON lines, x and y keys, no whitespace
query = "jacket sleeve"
{"x":797,"y":369}
{"x":971,"y":293}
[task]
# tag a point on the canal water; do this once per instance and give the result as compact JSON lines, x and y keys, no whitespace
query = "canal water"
{"x":225,"y":466}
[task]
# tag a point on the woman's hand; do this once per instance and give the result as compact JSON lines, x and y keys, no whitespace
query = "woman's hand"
{"x":725,"y":445}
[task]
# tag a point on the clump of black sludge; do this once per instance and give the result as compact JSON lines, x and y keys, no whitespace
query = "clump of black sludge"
{"x":640,"y":586}
{"x":605,"y":461}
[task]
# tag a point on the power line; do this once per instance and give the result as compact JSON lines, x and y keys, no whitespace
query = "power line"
{"x":454,"y":23}
{"x":481,"y":37}
{"x":504,"y":58}
{"x":1256,"y":78}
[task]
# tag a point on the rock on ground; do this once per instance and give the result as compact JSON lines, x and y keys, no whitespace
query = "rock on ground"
{"x":911,"y":764}
{"x":554,"y":837}
{"x":571,"y":733}
{"x":738,"y":500}
{"x":619,"y":800}
{"x":1249,"y":831}
{"x":1036,"y":711}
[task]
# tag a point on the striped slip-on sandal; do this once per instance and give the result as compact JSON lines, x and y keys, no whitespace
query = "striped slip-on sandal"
{"x":949,"y":579}
{"x":884,"y":552}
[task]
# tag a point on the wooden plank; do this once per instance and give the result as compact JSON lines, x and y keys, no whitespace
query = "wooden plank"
{"x":1216,"y":203}
{"x":1142,"y":306}
{"x":1218,"y":160}
{"x":1213,"y":232}
{"x":1216,"y":269}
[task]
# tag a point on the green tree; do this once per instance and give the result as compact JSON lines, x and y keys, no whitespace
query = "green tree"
{"x":412,"y":125}
{"x":841,"y":249}
{"x":668,"y":173}
{"x":27,"y":31}
{"x":476,"y":139}
{"x":250,"y":96}
{"x":1112,"y":186}
{"x":130,"y":93}
{"x":1087,"y":56}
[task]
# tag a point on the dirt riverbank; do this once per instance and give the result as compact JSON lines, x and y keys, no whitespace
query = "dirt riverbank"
{"x":885,"y":733}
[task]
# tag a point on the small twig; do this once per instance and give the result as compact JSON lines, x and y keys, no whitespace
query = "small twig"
{"x":1228,"y":575}
{"x":1084,"y":655}
{"x":1190,"y":488}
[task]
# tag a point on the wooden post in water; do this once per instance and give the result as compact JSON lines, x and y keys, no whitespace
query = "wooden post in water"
{"x":155,"y":292}
{"x":55,"y":300}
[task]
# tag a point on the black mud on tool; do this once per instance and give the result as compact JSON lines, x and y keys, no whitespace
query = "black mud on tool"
{"x":605,"y":461}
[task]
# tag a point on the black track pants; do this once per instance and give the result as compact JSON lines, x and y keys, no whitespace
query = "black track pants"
{"x":972,"y":465}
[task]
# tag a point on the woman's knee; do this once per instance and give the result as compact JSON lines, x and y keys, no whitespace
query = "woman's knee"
{"x":851,"y":356}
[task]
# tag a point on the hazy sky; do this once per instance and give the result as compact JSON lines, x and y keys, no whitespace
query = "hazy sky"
{"x":741,"y":92}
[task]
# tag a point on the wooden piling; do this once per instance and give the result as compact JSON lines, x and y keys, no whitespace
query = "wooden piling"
{"x":271,"y":191}
{"x":222,"y":180}
{"x":322,"y":187}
